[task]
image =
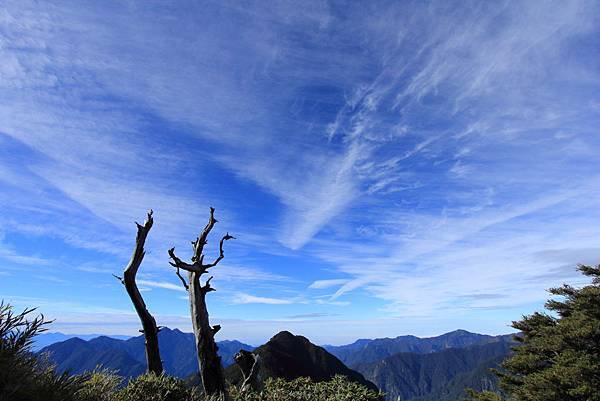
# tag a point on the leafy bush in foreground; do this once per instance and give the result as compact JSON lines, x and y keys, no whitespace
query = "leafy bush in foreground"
{"x":150,"y":387}
{"x":102,"y":385}
{"x":304,"y":389}
{"x":24,"y":376}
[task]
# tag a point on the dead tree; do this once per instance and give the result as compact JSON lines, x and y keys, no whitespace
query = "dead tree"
{"x":248,"y":363}
{"x":149,"y":328}
{"x":209,"y":362}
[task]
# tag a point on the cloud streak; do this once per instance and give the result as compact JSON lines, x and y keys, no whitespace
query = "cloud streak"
{"x":242,"y":298}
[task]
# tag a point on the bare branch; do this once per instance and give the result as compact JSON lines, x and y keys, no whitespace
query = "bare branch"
{"x":198,"y":245}
{"x":119,"y":278}
{"x":185,"y":284}
{"x":180,"y":264}
{"x":226,"y":237}
{"x":206,"y":287}
{"x":249,"y":365}
{"x":216,"y":328}
{"x":140,"y":240}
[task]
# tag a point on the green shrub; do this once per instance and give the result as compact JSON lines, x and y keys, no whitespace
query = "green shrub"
{"x":304,"y":389}
{"x":23,"y":375}
{"x":150,"y":387}
{"x":102,"y":385}
{"x":483,"y":396}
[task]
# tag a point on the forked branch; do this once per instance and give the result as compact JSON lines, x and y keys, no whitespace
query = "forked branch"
{"x":185,"y":284}
{"x":180,"y":264}
{"x":249,"y":364}
{"x":206,"y":287}
{"x":138,"y":252}
{"x":198,"y":245}
{"x":226,"y":237}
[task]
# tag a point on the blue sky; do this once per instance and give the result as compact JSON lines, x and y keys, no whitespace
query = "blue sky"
{"x":388,"y":168}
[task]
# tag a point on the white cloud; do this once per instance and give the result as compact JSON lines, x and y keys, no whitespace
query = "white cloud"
{"x":161,"y":284}
{"x":241,"y":298}
{"x":321,"y":284}
{"x":446,"y":263}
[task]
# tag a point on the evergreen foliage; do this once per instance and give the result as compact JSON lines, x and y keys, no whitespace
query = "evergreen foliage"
{"x":484,"y":396}
{"x":558,"y":358}
{"x":24,"y":377}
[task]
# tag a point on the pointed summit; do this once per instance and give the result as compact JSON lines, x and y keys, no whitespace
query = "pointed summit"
{"x":288,"y":356}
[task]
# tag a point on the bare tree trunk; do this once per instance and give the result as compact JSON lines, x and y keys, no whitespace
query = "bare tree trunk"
{"x":149,"y":327}
{"x":209,"y":362}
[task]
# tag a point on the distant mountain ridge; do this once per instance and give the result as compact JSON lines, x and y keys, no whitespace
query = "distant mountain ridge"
{"x":45,"y":339}
{"x":415,"y":369}
{"x":288,"y":356}
{"x":128,"y":356}
{"x":365,"y":350}
{"x":437,"y":376}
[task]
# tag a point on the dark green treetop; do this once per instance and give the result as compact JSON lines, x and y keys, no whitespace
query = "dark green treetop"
{"x":558,"y":358}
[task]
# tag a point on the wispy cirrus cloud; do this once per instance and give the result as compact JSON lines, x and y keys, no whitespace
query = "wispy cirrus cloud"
{"x":321,"y":284}
{"x":458,"y":262}
{"x":242,"y":298}
{"x":161,"y":284}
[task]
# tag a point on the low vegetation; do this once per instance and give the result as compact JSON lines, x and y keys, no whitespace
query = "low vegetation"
{"x":24,"y":377}
{"x":303,"y":389}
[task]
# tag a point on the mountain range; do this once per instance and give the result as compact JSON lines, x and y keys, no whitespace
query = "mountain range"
{"x":48,"y":338}
{"x":428,"y":369}
{"x":363,"y":351}
{"x":127,"y":357}
{"x":412,"y":368}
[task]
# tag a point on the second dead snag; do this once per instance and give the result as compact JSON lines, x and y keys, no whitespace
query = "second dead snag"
{"x":149,"y":327}
{"x":249,"y":365}
{"x":209,"y":362}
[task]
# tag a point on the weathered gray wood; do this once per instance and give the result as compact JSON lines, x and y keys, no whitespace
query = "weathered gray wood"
{"x":209,"y":362}
{"x":149,"y":327}
{"x":248,"y":363}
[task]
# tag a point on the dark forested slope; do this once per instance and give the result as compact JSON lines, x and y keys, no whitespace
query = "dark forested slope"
{"x":437,"y":376}
{"x":364,"y":351}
